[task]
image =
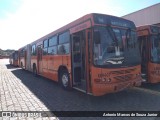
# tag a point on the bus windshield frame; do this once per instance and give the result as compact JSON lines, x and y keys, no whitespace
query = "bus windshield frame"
{"x":123,"y":47}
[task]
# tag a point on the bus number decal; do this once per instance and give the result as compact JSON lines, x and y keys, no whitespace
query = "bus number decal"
{"x":103,"y":75}
{"x":156,"y":71}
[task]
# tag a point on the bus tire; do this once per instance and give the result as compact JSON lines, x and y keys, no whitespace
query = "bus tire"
{"x":34,"y":70}
{"x":65,"y":80}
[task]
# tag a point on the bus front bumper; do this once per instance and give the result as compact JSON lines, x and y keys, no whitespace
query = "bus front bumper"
{"x":102,"y":89}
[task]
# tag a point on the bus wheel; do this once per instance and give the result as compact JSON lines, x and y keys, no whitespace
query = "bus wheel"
{"x":64,"y":79}
{"x":35,"y":71}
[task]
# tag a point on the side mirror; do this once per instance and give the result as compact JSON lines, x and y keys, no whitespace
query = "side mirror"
{"x":97,"y":37}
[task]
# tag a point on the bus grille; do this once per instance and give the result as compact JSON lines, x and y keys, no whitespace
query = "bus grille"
{"x":124,"y":78}
{"x":123,"y":71}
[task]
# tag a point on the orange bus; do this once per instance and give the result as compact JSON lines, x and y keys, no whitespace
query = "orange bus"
{"x":96,"y":54}
{"x":22,"y":57}
{"x":13,"y":59}
{"x":149,"y":41}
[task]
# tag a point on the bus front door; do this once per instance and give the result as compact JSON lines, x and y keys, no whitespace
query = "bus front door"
{"x":78,"y":61}
{"x":39,"y":59}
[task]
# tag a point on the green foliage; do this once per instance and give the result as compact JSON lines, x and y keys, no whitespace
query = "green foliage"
{"x":7,"y":52}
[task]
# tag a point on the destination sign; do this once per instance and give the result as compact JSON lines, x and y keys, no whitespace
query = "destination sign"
{"x":116,"y":21}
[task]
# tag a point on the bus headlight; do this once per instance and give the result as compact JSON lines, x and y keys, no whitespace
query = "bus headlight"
{"x":106,"y":80}
{"x":102,"y":80}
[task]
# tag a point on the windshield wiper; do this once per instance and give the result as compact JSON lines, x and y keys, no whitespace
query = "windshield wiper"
{"x":113,"y":36}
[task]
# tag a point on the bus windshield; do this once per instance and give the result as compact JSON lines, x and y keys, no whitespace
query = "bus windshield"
{"x":155,"y":49}
{"x":115,"y":47}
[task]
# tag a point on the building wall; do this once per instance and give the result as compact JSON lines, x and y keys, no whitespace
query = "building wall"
{"x":146,"y":16}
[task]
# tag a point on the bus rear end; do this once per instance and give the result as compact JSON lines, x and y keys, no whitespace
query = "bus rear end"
{"x":116,"y":63}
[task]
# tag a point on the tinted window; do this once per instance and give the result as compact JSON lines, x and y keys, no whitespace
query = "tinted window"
{"x":155,"y":29}
{"x":52,"y":50}
{"x":45,"y":44}
{"x":53,"y":41}
{"x":115,"y":47}
{"x":155,"y":50}
{"x":16,"y":55}
{"x":34,"y":50}
{"x":45,"y":51}
{"x":63,"y":49}
{"x":64,"y":38}
{"x":22,"y":53}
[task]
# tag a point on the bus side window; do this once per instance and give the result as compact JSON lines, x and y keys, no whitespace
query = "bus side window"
{"x":76,"y":49}
{"x":63,"y":46}
{"x":45,"y":47}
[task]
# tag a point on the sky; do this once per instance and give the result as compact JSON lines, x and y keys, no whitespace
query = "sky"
{"x":24,"y":21}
